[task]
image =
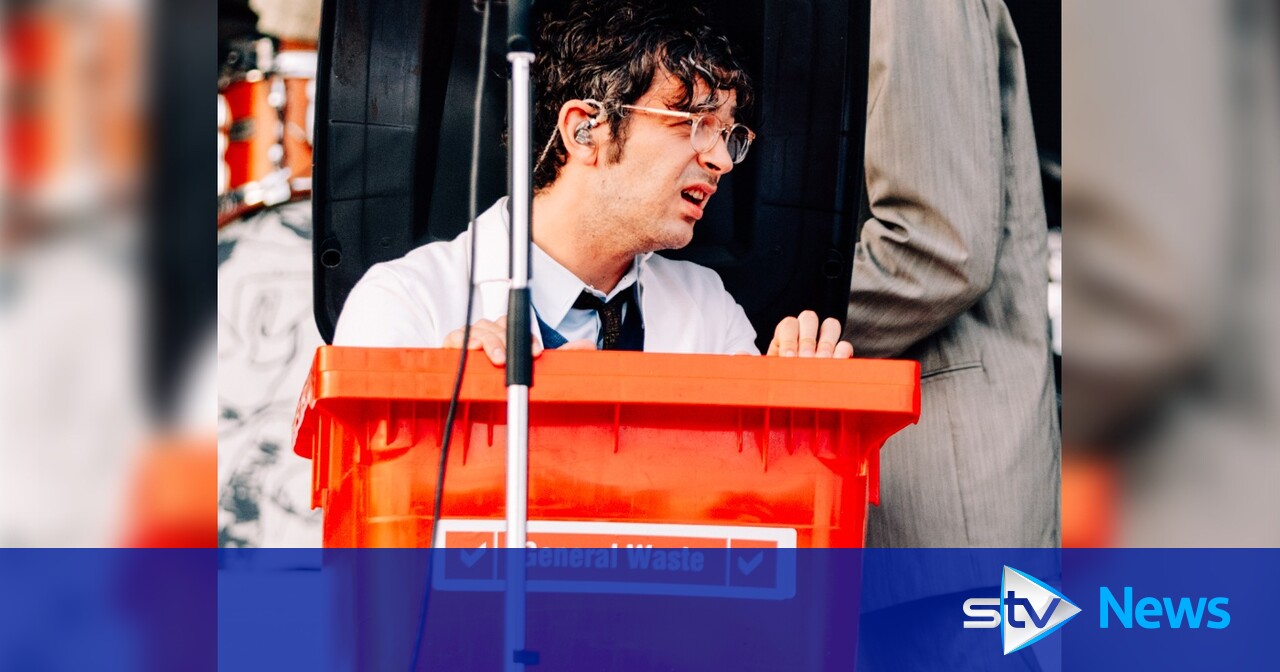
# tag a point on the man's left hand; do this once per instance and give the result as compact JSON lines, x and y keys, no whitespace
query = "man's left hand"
{"x":801,"y":337}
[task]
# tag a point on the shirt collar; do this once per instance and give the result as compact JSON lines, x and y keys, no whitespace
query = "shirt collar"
{"x":555,"y":288}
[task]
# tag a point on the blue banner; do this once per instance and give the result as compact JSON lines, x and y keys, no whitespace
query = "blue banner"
{"x":94,"y":609}
{"x":640,"y":609}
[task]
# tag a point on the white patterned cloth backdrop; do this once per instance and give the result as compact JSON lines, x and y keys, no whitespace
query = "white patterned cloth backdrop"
{"x":266,"y":339}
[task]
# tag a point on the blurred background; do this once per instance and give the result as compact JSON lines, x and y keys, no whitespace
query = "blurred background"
{"x":107,"y":369}
{"x":128,"y":352}
{"x":1170,"y":206}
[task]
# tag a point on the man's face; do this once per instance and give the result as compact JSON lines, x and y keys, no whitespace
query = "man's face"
{"x":651,"y":197}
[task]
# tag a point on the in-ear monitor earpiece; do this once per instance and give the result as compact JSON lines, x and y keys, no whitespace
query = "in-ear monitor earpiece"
{"x":583,"y":134}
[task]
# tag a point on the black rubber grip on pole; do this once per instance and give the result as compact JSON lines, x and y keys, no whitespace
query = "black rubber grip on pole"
{"x":518,"y":26}
{"x":519,"y":339}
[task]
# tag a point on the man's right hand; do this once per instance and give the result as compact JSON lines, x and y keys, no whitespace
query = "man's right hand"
{"x":491,"y":336}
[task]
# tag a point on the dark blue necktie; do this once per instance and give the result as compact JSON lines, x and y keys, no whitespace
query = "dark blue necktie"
{"x":616,"y":332}
{"x":610,"y":315}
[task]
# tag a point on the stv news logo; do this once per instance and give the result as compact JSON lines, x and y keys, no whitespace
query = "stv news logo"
{"x":1027,"y":609}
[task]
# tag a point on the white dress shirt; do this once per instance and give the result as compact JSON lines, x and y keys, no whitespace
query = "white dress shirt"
{"x":418,"y":299}
{"x":556,"y":288}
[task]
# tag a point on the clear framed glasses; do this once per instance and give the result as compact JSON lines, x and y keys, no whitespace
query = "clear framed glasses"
{"x":705,"y":129}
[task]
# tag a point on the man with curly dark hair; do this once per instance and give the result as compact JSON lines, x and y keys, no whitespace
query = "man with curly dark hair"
{"x":607,"y":50}
{"x":638,"y":114}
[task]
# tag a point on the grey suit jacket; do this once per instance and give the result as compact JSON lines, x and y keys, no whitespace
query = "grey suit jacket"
{"x":951,"y":270}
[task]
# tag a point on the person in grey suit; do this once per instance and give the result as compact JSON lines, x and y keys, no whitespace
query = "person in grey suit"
{"x":950,"y":270}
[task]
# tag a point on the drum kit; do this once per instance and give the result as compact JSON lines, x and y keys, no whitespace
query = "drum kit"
{"x":266,"y":112}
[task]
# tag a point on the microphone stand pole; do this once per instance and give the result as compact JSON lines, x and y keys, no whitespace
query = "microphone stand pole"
{"x":519,"y":333}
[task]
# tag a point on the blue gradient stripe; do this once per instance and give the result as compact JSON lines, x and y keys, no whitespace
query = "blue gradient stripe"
{"x":843,"y":609}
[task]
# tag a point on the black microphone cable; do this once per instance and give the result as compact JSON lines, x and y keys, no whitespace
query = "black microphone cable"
{"x":466,"y":333}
